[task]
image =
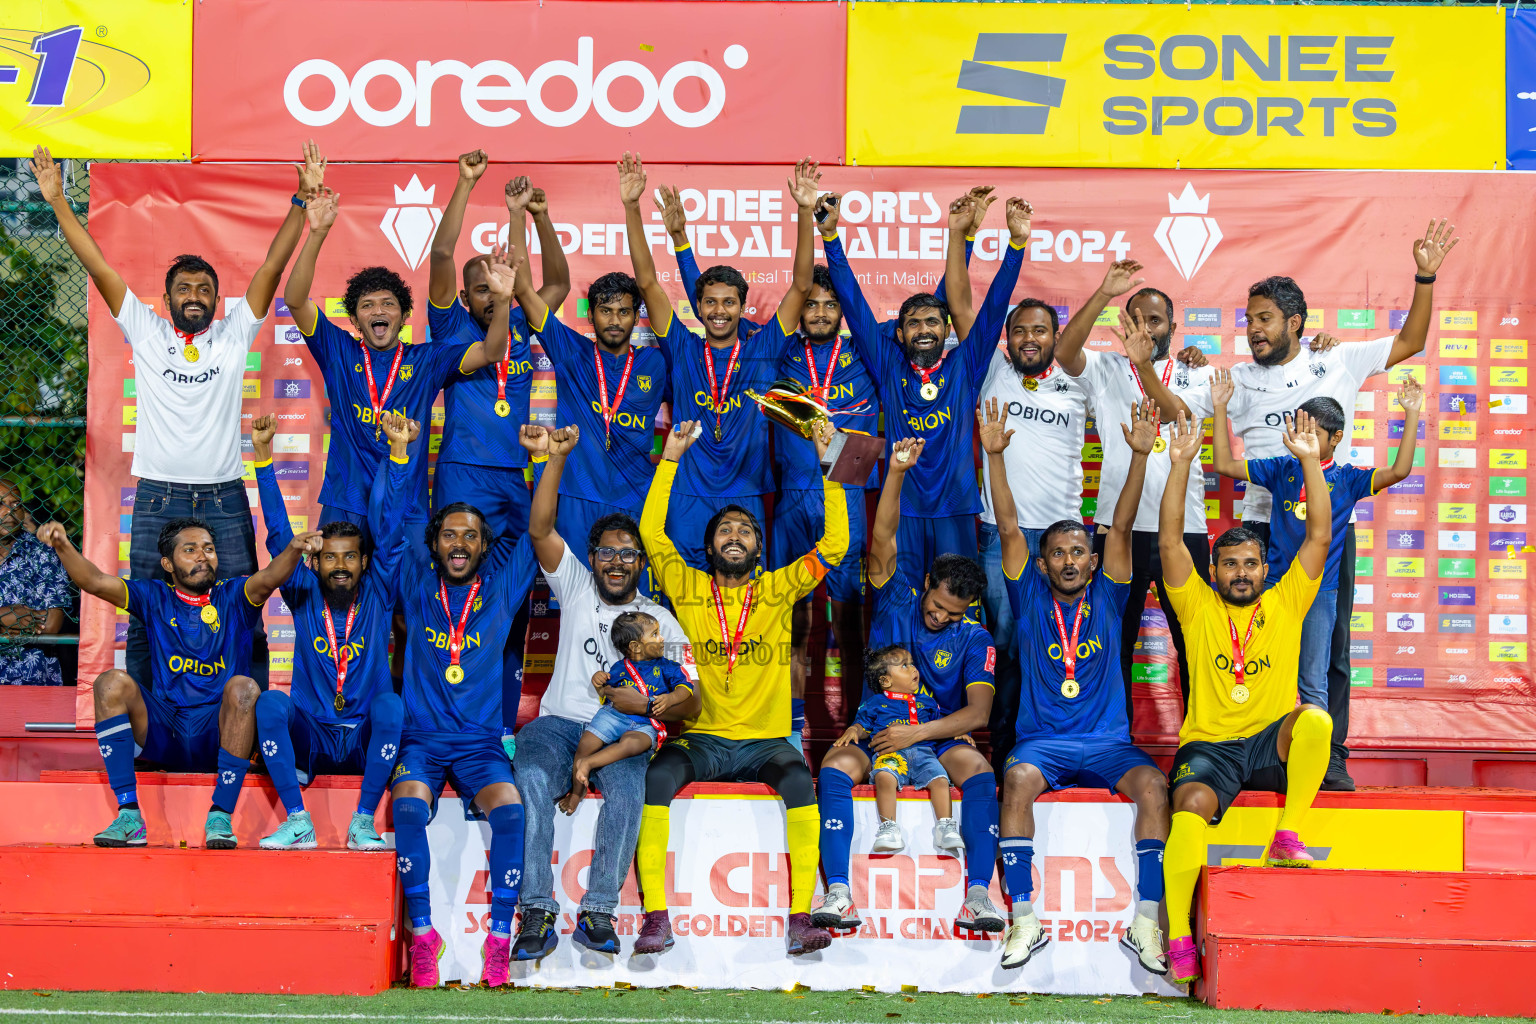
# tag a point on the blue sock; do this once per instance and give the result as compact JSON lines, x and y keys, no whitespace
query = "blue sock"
{"x":506,"y":865}
{"x":796,"y":714}
{"x":414,"y":858}
{"x":385,"y":718}
{"x":978,"y":827}
{"x":1149,"y":871}
{"x":1018,"y":855}
{"x":226,"y":790}
{"x":835,"y":793}
{"x":115,"y":738}
{"x":274,"y":714}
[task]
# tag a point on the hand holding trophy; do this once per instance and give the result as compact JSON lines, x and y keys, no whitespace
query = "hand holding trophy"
{"x":849,"y":457}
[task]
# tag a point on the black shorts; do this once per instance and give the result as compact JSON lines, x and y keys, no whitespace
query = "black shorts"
{"x":717,"y":759}
{"x":1232,"y":766}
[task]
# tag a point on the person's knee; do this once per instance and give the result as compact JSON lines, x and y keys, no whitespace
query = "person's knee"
{"x":113,"y":689}
{"x":240,"y":693}
{"x":665,"y":776}
{"x":1312,"y":720}
{"x":273,"y":710}
{"x":791,"y":779}
{"x":387,"y":710}
{"x":1022,"y":784}
{"x":411,"y":812}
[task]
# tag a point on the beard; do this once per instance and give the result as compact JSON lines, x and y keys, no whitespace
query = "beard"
{"x":926,"y":358}
{"x":445,"y":571}
{"x":199,"y":584}
{"x":1239,"y":601}
{"x":718,"y":563}
{"x":616,"y":595}
{"x":1279,"y":352}
{"x":817,"y":335}
{"x":1160,"y":346}
{"x":1031,"y":369}
{"x":191,"y":325}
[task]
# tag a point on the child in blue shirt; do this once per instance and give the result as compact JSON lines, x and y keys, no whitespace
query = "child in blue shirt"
{"x":898,"y":697}
{"x":613,"y":735}
{"x":1288,"y":525}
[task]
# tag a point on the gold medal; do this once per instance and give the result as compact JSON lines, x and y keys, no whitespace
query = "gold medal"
{"x":1070,"y":689}
{"x":1240,"y":693}
{"x":190,"y":354}
{"x":1301,"y":510}
{"x":210,"y":614}
{"x":340,"y":702}
{"x":503,"y":408}
{"x":1160,"y":445}
{"x":929,"y":391}
{"x":454,"y":675}
{"x":1030,"y":384}
{"x":717,"y":431}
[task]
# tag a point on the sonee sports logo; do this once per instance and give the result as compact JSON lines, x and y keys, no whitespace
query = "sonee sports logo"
{"x":1040,"y":91}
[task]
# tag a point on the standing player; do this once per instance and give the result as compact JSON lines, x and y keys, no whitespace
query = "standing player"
{"x":1073,"y":728}
{"x":375,"y":372}
{"x":458,"y":591}
{"x":956,"y":659}
{"x":188,"y":373}
{"x":711,"y":375}
{"x":738,"y":622}
{"x":341,"y":715}
{"x":1242,"y":729}
{"x":197,"y":713}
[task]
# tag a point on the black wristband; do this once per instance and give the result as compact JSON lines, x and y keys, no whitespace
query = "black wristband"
{"x":1424,"y":278}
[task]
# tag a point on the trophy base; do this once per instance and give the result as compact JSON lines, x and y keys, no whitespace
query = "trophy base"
{"x":851,"y":458}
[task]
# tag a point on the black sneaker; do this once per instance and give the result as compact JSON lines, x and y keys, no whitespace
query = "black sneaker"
{"x":1338,"y":780}
{"x":594,"y":930}
{"x":537,"y":937}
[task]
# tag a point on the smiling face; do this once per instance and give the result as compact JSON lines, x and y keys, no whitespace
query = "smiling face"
{"x":732,"y":549}
{"x":1067,"y":559}
{"x":1031,"y":342}
{"x":459,"y":547}
{"x":719,"y":310}
{"x":921,"y":334}
{"x":616,"y":578}
{"x":822,"y":316}
{"x":340,"y":566}
{"x":1271,"y":336}
{"x":193,"y":565}
{"x":191,"y":301}
{"x":941,"y":609}
{"x":1238,"y":571}
{"x":379,"y":319}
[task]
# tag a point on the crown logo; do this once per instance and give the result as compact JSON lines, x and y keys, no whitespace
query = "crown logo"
{"x":415,"y":195}
{"x":1187,"y":236}
{"x":409,"y":225}
{"x":1184,"y":202}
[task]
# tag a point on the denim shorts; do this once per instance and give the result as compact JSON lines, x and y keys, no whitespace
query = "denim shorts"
{"x":609,"y":724}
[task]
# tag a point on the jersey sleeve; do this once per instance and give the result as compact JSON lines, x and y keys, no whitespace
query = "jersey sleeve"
{"x":674,"y":342}
{"x":1113,"y":593}
{"x":274,"y":511}
{"x":136,"y":320}
{"x":1194,"y":599}
{"x":1022,"y":591}
{"x":864,"y":718}
{"x":515,"y":573}
{"x":1198,"y":400}
{"x":1267,"y":473}
{"x":893,"y":598}
{"x":1366,"y":358}
{"x":1095,"y":375}
{"x":238,"y":602}
{"x":243,"y":322}
{"x":980,"y":660}
{"x":981,"y":342}
{"x":449,"y":361}
{"x":145,"y":599}
{"x":1295,"y":592}
{"x":445,"y":321}
{"x":1360,"y":481}
{"x":862,"y":326}
{"x":672,"y":674}
{"x":392,"y":541}
{"x":325,"y":341}
{"x":666,"y":563}
{"x":567,"y":577}
{"x":561,"y":344}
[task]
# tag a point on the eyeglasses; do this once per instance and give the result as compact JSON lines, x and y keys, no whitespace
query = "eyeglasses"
{"x":629,"y":556}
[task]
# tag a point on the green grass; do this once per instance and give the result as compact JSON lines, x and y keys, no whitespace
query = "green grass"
{"x":664,"y":1006}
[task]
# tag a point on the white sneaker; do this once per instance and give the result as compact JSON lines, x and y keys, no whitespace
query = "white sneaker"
{"x":836,"y":909}
{"x":888,"y":838}
{"x":1025,"y":938}
{"x":946,"y":836}
{"x":1145,"y":939}
{"x":978,"y":913}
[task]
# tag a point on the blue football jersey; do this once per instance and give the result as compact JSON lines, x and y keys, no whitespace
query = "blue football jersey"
{"x":1283,"y":478}
{"x":878,"y":711}
{"x":850,"y":384}
{"x":191,"y":659}
{"x":472,"y":432}
{"x":959,"y":655}
{"x":1099,"y":707}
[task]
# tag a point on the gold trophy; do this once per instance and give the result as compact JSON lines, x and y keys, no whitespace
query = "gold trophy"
{"x":850,"y":457}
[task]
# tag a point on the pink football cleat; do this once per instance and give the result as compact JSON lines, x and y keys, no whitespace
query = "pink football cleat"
{"x":426,"y":950}
{"x":1183,"y":960}
{"x":1288,"y":851}
{"x":497,"y":954}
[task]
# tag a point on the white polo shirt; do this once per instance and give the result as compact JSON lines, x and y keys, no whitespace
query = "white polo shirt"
{"x":1111,"y":383}
{"x":188,"y":428}
{"x":1045,"y":457}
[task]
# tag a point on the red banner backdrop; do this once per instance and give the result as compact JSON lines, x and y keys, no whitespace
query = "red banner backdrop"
{"x":407,"y":79}
{"x":1440,"y":644}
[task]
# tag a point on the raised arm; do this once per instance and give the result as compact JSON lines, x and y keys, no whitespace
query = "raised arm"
{"x":802,"y":188}
{"x":881,"y":565}
{"x":1428,"y":253}
{"x":320,"y":215}
{"x":82,"y":572}
{"x":556,"y":445}
{"x":994,"y":308}
{"x":995,"y":437}
{"x":387,"y":500}
{"x":1183,"y":449}
{"x":258,"y":294}
{"x":1118,"y":279}
{"x":1140,"y":434}
{"x":1411,"y":398}
{"x":666,"y":563}
{"x":862,"y":325}
{"x":261,"y":584}
{"x":1301,"y":439}
{"x":274,"y":511}
{"x":1137,"y":342}
{"x":493,"y":347}
{"x":50,"y":182}
{"x":957,"y":266}
{"x":443,"y":279}
{"x":553,"y":269}
{"x":631,"y":188}
{"x":1222,"y":389}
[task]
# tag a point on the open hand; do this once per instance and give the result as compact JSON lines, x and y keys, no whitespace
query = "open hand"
{"x":669,"y":201}
{"x":1020,"y":214}
{"x":1301,"y":435}
{"x":802,"y":187}
{"x":631,"y":179}
{"x":1121,"y":277}
{"x":1135,"y":339}
{"x":1141,"y":432}
{"x":995,"y":434}
{"x":982,"y":198}
{"x":1411,"y":395}
{"x":321,"y":209}
{"x":1222,"y":388}
{"x":1431,"y":250}
{"x":50,"y":181}
{"x":311,"y":171}
{"x":1184,"y":445}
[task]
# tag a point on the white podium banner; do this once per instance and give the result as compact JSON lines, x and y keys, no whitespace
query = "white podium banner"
{"x":728,"y":882}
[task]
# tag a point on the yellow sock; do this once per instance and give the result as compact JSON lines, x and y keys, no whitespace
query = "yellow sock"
{"x":803,"y":833}
{"x":1311,"y":738}
{"x":651,"y":855}
{"x":1182,"y":858}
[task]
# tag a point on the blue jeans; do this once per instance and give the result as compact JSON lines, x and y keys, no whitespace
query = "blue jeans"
{"x":546,"y":751}
{"x":1317,"y":648}
{"x":1005,"y":704}
{"x":227,"y":511}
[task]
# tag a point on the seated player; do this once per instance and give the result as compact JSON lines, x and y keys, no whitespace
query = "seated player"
{"x":738,"y":623}
{"x":613,"y":735}
{"x":897,"y":695}
{"x":1282,"y":477}
{"x":1073,"y":728}
{"x":341,"y":715}
{"x":198,"y":713}
{"x":1242,"y":729}
{"x":459,"y":590}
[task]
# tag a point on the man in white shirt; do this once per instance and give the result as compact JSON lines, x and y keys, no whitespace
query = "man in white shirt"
{"x":592,"y":592}
{"x":1048,"y":411}
{"x":1113,"y":383}
{"x":188,"y":373}
{"x":1285,"y":373}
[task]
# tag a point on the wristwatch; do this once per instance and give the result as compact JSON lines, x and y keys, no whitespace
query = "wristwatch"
{"x":296,"y":201}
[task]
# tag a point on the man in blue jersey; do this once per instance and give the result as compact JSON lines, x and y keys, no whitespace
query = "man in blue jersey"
{"x":198,"y":711}
{"x":928,"y":392}
{"x":956,"y":659}
{"x":457,"y":590}
{"x":730,"y":464}
{"x":1072,"y":724}
{"x":341,"y":715}
{"x":376,"y":371}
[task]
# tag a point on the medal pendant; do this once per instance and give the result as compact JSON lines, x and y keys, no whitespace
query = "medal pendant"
{"x":1070,"y":689}
{"x":1240,"y":693}
{"x":717,"y":431}
{"x":190,"y":354}
{"x":1301,"y":510}
{"x":210,"y":614}
{"x":503,"y":408}
{"x":929,"y":391}
{"x":340,"y":702}
{"x":454,"y":675}
{"x":1030,"y":384}
{"x":1160,"y":445}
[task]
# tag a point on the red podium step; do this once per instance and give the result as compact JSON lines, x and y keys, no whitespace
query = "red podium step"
{"x":1369,"y":941}
{"x":168,"y":920}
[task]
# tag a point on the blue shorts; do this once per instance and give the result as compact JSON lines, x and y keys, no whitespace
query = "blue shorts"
{"x":920,"y":541}
{"x":501,"y":495}
{"x":469,"y":762}
{"x":181,"y":739}
{"x":609,"y":724}
{"x":326,"y":748}
{"x":1087,"y":761}
{"x":917,"y":766}
{"x":688,"y":515}
{"x":798,"y":521}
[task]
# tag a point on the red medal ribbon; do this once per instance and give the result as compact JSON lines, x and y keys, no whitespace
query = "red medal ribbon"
{"x":717,"y":394}
{"x":338,"y":652}
{"x":925,"y":374}
{"x":502,"y":369}
{"x":195,"y":600}
{"x":376,"y":400}
{"x":656,"y":723}
{"x":732,"y":649}
{"x":1167,"y":375}
{"x":610,"y":411}
{"x":456,"y":635}
{"x":1069,"y":655}
{"x":1040,"y":376}
{"x":1239,"y":661}
{"x":911,"y":702}
{"x":1325,"y":467}
{"x":822,"y":385}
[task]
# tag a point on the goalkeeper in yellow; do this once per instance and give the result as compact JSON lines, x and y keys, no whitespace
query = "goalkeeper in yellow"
{"x":739,"y":623}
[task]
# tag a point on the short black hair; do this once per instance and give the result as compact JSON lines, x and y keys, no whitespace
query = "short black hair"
{"x":610,"y":287}
{"x":1064,"y":526}
{"x":469,"y":264}
{"x":190,"y":263}
{"x":1236,"y":537}
{"x":961,"y":576}
{"x":821,"y":277}
{"x":1147,"y":293}
{"x":1033,"y":304}
{"x":342,"y":528}
{"x":877,"y":664}
{"x":922,"y":300}
{"x":714,"y":523}
{"x":628,"y":629}
{"x":1283,"y":292}
{"x":1327,"y":411}
{"x":618,"y":521}
{"x":377,"y":279}
{"x":720,"y":274}
{"x":171,"y":530}
{"x":435,"y":525}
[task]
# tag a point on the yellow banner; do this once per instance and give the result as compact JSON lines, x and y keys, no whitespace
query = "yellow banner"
{"x":1163,"y":86}
{"x":97,"y":79}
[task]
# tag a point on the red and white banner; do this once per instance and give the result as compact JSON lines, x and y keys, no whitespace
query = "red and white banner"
{"x":408,"y":79}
